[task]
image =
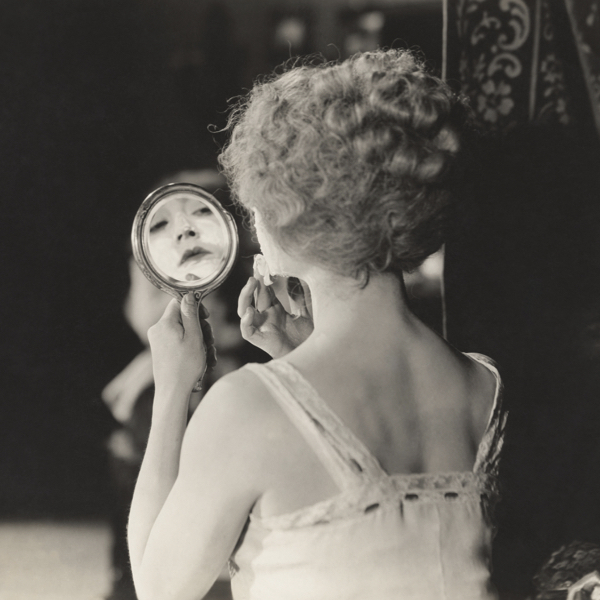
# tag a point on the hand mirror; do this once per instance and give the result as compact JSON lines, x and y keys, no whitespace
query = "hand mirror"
{"x":184,"y":240}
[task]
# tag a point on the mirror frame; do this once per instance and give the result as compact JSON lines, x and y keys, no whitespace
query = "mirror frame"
{"x":141,"y":252}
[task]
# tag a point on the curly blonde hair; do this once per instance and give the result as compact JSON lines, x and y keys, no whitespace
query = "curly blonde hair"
{"x":350,"y":164}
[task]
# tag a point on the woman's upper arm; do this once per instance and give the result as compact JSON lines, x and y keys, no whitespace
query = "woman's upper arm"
{"x":220,"y":478}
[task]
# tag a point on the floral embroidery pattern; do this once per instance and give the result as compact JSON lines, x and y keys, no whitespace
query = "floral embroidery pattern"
{"x":553,"y":92}
{"x":494,"y":101}
{"x":551,"y":97}
{"x":508,"y":62}
{"x":585,"y":22}
{"x":493,"y":34}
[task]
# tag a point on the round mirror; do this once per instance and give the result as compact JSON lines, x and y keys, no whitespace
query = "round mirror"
{"x":184,"y":240}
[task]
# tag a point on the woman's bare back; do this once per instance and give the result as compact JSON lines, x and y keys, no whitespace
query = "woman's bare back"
{"x":417,"y":412}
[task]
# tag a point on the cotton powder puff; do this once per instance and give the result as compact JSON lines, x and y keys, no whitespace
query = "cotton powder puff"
{"x":262,"y":268}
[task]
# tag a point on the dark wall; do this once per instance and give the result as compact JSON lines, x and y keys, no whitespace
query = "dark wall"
{"x":92,"y":113}
{"x":523,"y":288}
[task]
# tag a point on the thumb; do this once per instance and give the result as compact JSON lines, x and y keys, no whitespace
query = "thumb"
{"x":189,"y":313}
{"x":172,"y":311}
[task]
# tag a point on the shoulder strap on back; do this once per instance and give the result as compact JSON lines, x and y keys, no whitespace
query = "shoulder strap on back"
{"x":488,"y":454}
{"x":341,"y":454}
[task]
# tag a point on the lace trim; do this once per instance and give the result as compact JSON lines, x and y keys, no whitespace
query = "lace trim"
{"x":353,"y":503}
{"x":371,"y":486}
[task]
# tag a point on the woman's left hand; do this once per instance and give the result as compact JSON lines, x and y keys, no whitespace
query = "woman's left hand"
{"x":182,"y":345}
{"x":273,"y":330}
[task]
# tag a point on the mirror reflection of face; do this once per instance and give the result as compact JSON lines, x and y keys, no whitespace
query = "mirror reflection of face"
{"x":186,"y":239}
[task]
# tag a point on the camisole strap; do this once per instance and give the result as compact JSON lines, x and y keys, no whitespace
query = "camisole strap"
{"x":343,"y":455}
{"x":488,"y":454}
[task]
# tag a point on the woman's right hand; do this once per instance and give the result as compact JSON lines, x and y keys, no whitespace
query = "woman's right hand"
{"x":272,"y":329}
{"x":182,"y":345}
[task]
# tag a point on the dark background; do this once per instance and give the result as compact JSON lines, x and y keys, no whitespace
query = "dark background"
{"x":92,"y":113}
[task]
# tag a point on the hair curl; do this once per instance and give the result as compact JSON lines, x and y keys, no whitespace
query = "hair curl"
{"x":350,"y":164}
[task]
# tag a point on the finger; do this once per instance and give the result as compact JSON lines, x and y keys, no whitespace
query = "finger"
{"x":247,"y":324}
{"x":211,"y":358}
{"x":246,"y":296}
{"x":307,"y":298}
{"x":172,"y":312}
{"x":264,"y":297}
{"x":189,"y":313}
{"x":203,"y":311}
{"x":207,"y":332}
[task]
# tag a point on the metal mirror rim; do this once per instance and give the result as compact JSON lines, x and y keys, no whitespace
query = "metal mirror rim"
{"x":140,"y":249}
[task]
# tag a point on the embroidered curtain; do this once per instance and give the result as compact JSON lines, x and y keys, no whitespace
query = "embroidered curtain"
{"x":585,"y":22}
{"x":512,"y":59}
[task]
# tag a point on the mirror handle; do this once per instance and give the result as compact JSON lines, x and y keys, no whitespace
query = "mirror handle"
{"x":198,"y":385}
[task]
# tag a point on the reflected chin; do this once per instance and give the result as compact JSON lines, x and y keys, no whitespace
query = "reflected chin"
{"x":203,"y":269}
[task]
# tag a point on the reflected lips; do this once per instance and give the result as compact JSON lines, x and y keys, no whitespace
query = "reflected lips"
{"x":193,"y":253}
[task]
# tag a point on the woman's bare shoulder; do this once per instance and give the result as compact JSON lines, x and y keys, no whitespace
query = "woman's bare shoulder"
{"x":235,"y":422}
{"x":240,"y":397}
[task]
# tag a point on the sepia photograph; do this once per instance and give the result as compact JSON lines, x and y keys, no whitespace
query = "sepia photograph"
{"x":300,"y":300}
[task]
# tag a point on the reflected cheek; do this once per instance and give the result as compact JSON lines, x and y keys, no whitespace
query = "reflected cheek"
{"x":164,"y":254}
{"x":211,"y":233}
{"x":222,"y":252}
{"x":206,"y":267}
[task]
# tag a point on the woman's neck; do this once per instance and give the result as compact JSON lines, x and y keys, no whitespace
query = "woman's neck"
{"x":342,"y":310}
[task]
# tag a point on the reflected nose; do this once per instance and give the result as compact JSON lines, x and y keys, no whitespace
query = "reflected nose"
{"x":186,"y":232}
{"x":184,"y":227}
